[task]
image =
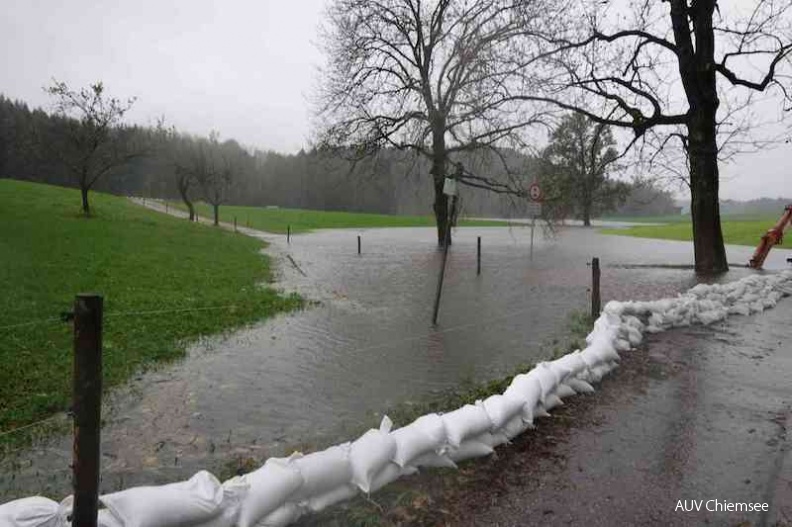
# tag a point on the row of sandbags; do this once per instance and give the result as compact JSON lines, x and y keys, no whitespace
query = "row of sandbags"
{"x":284,"y":489}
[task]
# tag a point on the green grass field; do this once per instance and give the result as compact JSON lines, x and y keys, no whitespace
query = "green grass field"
{"x":165,"y":282}
{"x":277,"y":220}
{"x":737,"y":230}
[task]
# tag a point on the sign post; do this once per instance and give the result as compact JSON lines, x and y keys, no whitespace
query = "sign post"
{"x":534,"y":208}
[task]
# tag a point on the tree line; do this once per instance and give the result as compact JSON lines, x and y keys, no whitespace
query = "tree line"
{"x":84,"y":143}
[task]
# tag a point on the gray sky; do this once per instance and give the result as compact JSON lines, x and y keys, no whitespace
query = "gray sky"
{"x":243,"y":67}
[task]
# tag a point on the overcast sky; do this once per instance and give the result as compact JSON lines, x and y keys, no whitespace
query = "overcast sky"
{"x":246,"y":68}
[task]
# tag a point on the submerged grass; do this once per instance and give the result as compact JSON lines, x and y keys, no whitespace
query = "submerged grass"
{"x":165,"y":282}
{"x":276,"y":220}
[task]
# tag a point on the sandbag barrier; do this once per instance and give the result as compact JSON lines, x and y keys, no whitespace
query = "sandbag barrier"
{"x":284,"y":489}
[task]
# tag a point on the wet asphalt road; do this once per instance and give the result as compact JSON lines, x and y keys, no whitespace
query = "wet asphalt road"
{"x":697,"y":414}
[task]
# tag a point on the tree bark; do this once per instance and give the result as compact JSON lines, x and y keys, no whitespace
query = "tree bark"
{"x":710,"y":253}
{"x":438,"y":177}
{"x":86,"y":208}
{"x":183,"y":193}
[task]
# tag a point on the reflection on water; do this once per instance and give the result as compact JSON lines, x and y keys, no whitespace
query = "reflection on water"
{"x":316,"y":375}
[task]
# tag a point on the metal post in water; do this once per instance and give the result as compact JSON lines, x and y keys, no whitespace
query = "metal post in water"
{"x":533,"y":225}
{"x":445,"y":259}
{"x":87,"y":407}
{"x":596,"y":302}
{"x":478,"y":257}
{"x":288,"y":233}
{"x":358,"y":243}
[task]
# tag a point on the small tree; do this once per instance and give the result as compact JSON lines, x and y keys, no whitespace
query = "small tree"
{"x":213,"y":169}
{"x":578,"y":157}
{"x":95,"y":141}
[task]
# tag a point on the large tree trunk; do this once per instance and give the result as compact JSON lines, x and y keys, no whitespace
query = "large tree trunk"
{"x":696,"y":68}
{"x":86,"y":208}
{"x":438,"y":177}
{"x":710,"y":253}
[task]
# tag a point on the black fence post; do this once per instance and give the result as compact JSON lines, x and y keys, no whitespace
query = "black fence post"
{"x":87,"y":407}
{"x":478,"y":256}
{"x":288,"y":234}
{"x":596,"y":302}
{"x":358,"y":243}
{"x":235,"y":228}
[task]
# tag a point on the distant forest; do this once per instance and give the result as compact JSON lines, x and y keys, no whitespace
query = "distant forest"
{"x":392,"y":182}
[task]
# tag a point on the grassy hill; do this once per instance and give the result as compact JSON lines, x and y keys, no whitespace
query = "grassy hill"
{"x":165,"y":282}
{"x":276,"y":220}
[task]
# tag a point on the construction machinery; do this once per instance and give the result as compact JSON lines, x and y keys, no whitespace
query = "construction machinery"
{"x":773,"y":237}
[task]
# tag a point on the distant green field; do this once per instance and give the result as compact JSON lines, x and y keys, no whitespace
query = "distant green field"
{"x":165,"y":282}
{"x":277,"y":220}
{"x":737,"y":230}
{"x":676,"y":218}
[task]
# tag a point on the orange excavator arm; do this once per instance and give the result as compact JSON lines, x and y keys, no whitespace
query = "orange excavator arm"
{"x":773,"y":237}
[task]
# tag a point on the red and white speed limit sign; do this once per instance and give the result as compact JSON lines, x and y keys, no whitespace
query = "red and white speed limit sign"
{"x":535,"y":192}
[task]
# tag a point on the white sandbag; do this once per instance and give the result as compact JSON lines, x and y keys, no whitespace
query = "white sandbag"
{"x":328,"y":499}
{"x":559,"y":369}
{"x":388,"y":475}
{"x":104,"y":517}
{"x":563,"y":390}
{"x":541,"y":411}
{"x":470,"y":420}
{"x":572,"y":362}
{"x":425,"y":434}
{"x":501,"y":408}
{"x":547,"y":380}
{"x":526,"y":388}
{"x":622,"y":345}
{"x":188,"y":502}
{"x":491,"y":439}
{"x":234,"y":493}
{"x":270,"y":487}
{"x":551,"y":402}
{"x":433,"y":460}
{"x":515,"y":427}
{"x":35,"y":511}
{"x":282,"y":516}
{"x":579,"y":385}
{"x":634,"y":336}
{"x":323,"y":471}
{"x":370,"y":454}
{"x":468,"y":450}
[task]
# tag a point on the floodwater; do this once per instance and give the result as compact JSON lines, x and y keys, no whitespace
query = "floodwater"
{"x":302,"y":380}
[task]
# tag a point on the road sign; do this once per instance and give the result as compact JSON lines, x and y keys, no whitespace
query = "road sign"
{"x":535,"y":192}
{"x":450,"y":187}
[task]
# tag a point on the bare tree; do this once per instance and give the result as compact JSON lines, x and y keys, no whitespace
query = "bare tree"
{"x":657,"y":69}
{"x":96,"y":141}
{"x":213,"y":170}
{"x":579,"y":155}
{"x":431,"y":77}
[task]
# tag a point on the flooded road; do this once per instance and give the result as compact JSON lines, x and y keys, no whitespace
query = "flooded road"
{"x":320,"y":375}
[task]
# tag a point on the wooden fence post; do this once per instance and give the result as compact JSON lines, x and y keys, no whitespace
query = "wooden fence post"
{"x":596,"y":302}
{"x":478,"y":257}
{"x":87,"y":407}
